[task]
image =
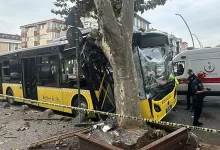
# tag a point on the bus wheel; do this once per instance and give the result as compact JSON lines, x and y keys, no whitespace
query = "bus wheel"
{"x":9,"y":99}
{"x":78,"y":113}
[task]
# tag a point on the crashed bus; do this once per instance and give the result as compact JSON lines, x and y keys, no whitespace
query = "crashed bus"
{"x":49,"y":74}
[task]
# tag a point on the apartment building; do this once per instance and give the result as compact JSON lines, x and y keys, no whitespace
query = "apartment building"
{"x":9,"y":42}
{"x":40,"y":33}
{"x":139,"y":23}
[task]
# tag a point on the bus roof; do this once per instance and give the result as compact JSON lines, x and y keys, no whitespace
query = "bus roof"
{"x":59,"y":43}
{"x":196,"y":51}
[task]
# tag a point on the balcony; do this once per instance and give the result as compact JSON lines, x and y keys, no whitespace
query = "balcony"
{"x":54,"y":29}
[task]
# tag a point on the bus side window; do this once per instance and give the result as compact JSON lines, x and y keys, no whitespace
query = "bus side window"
{"x":48,"y":72}
{"x":179,"y":68}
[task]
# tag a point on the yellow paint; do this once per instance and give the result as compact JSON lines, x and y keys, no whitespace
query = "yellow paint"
{"x":163,"y":104}
{"x":51,"y":95}
{"x":64,"y":96}
{"x":105,"y":97}
{"x":101,"y":86}
{"x":61,"y":96}
{"x":69,"y":94}
{"x":145,"y":109}
{"x":16,"y":89}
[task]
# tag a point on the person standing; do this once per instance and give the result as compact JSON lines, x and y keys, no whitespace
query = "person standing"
{"x":190,"y":79}
{"x":198,"y":92}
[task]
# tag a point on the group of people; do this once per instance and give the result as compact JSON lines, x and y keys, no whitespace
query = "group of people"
{"x":197,"y":92}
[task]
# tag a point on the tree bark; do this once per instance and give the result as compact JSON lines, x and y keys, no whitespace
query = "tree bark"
{"x":118,"y":36}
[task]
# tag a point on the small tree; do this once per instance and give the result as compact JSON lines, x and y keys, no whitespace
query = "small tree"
{"x":116,"y":21}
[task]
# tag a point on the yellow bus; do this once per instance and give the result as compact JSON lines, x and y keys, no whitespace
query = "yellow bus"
{"x":48,"y":73}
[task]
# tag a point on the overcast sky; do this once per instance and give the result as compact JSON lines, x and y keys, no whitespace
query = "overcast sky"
{"x":202,"y":17}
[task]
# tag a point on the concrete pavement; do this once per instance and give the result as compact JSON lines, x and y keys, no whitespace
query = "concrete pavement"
{"x":210,"y":118}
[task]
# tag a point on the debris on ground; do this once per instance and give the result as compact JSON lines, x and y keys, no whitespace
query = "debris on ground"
{"x":24,"y":108}
{"x":158,"y":134}
{"x":5,"y":105}
{"x":27,"y":124}
{"x":48,"y":113}
{"x":22,"y":128}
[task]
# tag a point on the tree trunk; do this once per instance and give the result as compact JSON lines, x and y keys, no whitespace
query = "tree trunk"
{"x":118,"y":40}
{"x":125,"y":88}
{"x":125,"y":82}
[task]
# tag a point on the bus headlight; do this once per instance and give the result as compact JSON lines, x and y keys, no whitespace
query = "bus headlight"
{"x":157,"y":108}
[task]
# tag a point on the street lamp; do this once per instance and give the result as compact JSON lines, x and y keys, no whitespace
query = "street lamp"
{"x":187,"y":27}
{"x":198,"y":41}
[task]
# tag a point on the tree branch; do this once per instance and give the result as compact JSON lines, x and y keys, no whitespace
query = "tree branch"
{"x":127,"y":15}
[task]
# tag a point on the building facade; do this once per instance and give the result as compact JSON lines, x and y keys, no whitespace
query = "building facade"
{"x":9,"y":42}
{"x":40,"y":33}
{"x":184,"y":46}
{"x":139,"y":23}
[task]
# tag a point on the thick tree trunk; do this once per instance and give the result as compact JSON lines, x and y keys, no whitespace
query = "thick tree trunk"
{"x":126,"y":89}
{"x":125,"y":83}
{"x":118,"y":38}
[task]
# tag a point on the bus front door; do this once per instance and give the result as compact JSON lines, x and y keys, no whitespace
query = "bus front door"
{"x":29,"y":78}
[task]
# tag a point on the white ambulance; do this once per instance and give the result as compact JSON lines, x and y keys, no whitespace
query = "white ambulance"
{"x":206,"y":60}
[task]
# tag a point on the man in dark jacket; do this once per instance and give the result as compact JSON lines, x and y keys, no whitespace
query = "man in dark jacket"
{"x":191,"y":78}
{"x":198,"y":92}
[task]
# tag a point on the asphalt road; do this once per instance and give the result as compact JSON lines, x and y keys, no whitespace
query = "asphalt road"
{"x":210,"y":118}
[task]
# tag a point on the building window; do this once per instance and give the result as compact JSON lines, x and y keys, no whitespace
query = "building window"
{"x":12,"y":46}
{"x":30,"y":29}
{"x":24,"y":29}
{"x":43,"y":26}
{"x":55,"y":24}
{"x":53,"y":35}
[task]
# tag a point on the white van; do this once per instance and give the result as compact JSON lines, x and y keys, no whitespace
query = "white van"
{"x":206,"y":60}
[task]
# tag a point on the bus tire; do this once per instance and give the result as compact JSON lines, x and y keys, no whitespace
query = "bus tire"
{"x":76,"y":113}
{"x":9,"y":99}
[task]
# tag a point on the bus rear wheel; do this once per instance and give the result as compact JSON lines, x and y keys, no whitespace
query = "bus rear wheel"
{"x":10,"y":99}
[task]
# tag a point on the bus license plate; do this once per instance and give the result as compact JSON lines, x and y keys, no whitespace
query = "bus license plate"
{"x":168,"y":108}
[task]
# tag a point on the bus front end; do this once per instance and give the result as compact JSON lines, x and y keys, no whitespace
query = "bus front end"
{"x":157,"y":84}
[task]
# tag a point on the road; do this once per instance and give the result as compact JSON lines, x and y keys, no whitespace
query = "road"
{"x":210,"y":118}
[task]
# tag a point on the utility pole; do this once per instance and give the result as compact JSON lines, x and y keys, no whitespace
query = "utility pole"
{"x":78,"y":62}
{"x":188,"y":28}
{"x":201,"y":46}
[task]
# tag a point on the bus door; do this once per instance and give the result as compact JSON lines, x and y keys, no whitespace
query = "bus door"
{"x":29,"y":78}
